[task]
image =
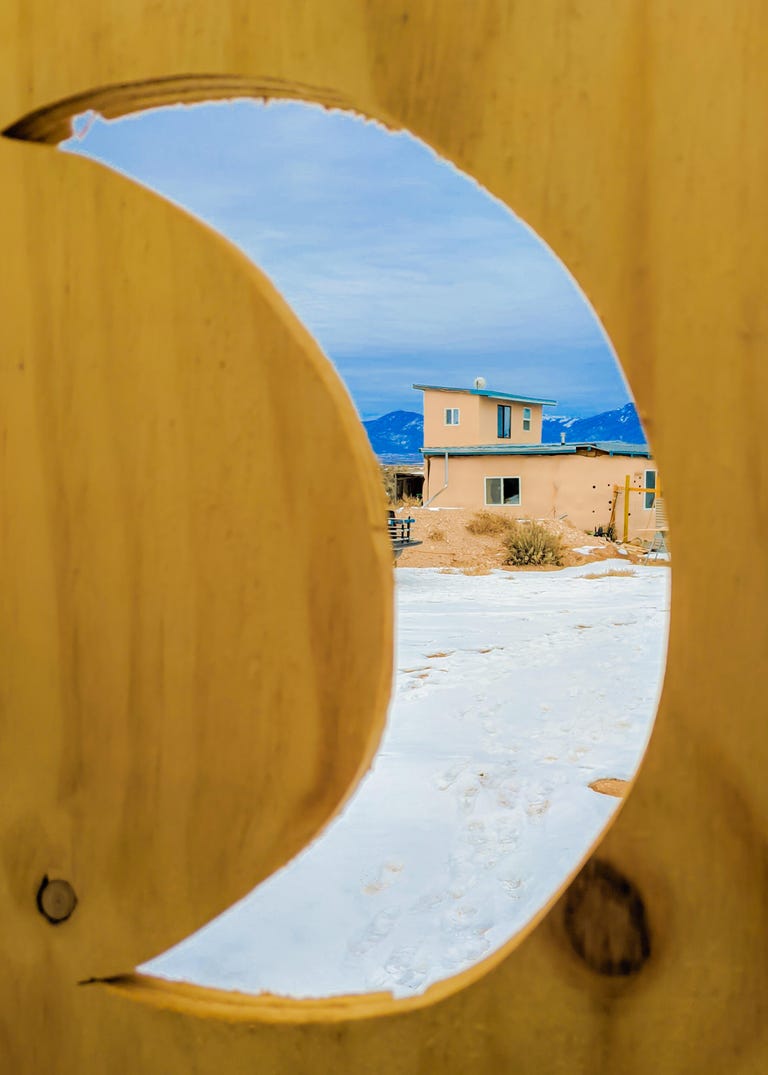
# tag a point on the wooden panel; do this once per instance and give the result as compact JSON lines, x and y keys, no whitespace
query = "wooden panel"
{"x":634,"y":138}
{"x":174,"y":598}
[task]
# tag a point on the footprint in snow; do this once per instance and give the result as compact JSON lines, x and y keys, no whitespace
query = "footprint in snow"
{"x":468,"y":951}
{"x":514,"y":887}
{"x":404,"y":969}
{"x":379,"y":928}
{"x":507,"y":835}
{"x":476,"y":833}
{"x":458,"y":917}
{"x":428,"y":902}
{"x":388,"y":874}
{"x":446,"y":779}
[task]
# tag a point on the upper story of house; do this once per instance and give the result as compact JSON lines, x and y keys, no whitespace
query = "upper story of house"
{"x":456,"y":417}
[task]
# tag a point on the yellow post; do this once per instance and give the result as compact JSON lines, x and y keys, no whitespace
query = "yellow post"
{"x":626,"y":508}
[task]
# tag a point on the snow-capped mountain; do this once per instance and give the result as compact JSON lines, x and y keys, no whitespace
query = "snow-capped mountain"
{"x":622,"y":424}
{"x":397,"y":437}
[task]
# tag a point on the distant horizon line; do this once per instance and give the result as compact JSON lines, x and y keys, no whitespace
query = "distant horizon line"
{"x":581,"y":413}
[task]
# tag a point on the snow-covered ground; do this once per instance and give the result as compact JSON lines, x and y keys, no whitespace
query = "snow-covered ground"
{"x":513,"y":692}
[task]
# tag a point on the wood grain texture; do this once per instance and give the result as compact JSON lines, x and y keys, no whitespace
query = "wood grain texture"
{"x":634,"y":138}
{"x":187,"y":684}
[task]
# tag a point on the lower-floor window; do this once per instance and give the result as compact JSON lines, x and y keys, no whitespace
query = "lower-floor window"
{"x":502,"y":490}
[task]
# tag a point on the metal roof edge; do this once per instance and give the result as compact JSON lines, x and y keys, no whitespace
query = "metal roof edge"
{"x":612,"y":448}
{"x":503,"y":449}
{"x":487,"y":393}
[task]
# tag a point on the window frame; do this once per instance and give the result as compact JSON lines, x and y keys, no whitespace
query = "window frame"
{"x":502,"y":478}
{"x":455,"y":416}
{"x":503,"y":421}
{"x":526,"y":419}
{"x":650,"y":498}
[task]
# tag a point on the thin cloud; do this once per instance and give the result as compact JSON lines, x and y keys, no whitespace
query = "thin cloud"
{"x":393,"y":259}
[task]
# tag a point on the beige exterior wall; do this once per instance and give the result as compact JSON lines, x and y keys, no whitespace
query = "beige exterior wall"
{"x":578,"y":486}
{"x":477,"y":420}
{"x":437,"y":433}
{"x":488,"y":424}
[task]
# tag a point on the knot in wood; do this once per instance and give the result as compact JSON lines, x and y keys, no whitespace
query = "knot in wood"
{"x":56,"y":900}
{"x":605,"y":921}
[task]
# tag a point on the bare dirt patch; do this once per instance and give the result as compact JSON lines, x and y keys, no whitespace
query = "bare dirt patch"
{"x":448,"y":544}
{"x":610,"y":785}
{"x":613,"y":573}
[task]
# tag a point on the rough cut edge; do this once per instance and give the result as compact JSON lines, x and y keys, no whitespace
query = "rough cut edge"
{"x":51,"y":124}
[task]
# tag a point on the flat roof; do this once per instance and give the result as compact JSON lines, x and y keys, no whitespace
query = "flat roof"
{"x":609,"y":447}
{"x":487,"y":393}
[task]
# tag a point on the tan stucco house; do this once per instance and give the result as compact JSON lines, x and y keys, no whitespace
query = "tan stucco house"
{"x":483,"y":449}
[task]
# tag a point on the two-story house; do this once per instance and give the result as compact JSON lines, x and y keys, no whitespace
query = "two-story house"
{"x":483,"y":449}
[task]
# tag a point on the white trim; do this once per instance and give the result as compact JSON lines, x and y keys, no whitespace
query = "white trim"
{"x":502,"y":478}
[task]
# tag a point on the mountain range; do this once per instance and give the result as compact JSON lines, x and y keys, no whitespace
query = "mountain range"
{"x":397,"y":437}
{"x":622,"y":424}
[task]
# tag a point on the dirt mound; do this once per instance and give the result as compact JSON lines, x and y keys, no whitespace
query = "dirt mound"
{"x":446,"y":542}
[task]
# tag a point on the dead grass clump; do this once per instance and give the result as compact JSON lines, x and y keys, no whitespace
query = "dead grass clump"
{"x":531,"y":544}
{"x":489,"y":522}
{"x":436,"y":534}
{"x":389,"y":481}
{"x":615,"y":573}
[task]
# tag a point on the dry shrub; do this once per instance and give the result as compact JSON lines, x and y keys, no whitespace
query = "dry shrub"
{"x":389,"y":481}
{"x":436,"y":534}
{"x":615,"y":572}
{"x":532,"y":545}
{"x":409,"y":501}
{"x":489,"y":522}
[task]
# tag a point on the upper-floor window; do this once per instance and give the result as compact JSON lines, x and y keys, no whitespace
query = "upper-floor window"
{"x":526,"y":418}
{"x":650,"y":486}
{"x":451,"y":416}
{"x":503,"y":421}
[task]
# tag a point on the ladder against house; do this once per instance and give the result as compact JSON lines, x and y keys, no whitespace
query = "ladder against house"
{"x":659,"y":542}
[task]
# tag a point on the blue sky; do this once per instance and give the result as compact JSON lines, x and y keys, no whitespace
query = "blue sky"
{"x":404,"y":269}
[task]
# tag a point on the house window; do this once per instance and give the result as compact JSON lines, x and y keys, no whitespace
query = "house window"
{"x":503,"y":421}
{"x":526,"y":418}
{"x":451,"y":416}
{"x":502,"y":490}
{"x":650,"y":484}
